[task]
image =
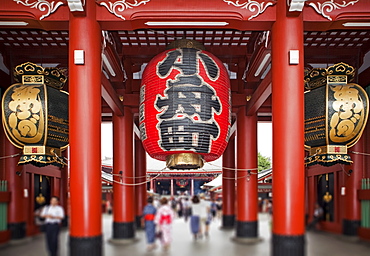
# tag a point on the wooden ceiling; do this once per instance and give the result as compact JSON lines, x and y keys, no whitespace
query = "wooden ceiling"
{"x":135,"y":48}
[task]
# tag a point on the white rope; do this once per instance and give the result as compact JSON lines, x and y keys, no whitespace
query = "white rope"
{"x":4,"y":157}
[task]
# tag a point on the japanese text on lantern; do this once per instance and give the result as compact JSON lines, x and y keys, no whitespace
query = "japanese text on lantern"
{"x":188,"y":105}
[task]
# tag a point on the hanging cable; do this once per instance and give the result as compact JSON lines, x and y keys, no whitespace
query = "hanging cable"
{"x":348,"y":174}
{"x":14,"y":155}
{"x":234,"y":169}
{"x":359,"y":153}
{"x":61,"y":159}
{"x":140,"y":183}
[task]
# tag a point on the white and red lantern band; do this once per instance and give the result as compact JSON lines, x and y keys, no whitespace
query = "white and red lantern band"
{"x":185,"y":105}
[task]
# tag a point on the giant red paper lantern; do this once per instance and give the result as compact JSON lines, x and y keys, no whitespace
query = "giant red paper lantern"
{"x":185,"y":106}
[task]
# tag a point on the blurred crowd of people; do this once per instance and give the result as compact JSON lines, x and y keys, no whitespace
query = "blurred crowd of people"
{"x":159,"y":214}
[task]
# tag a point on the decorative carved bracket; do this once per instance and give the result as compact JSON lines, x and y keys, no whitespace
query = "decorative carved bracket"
{"x":328,"y":6}
{"x":117,"y":8}
{"x":253,"y":6}
{"x":42,"y":5}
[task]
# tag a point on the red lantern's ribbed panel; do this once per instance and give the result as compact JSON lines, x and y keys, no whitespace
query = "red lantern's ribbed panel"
{"x":185,"y":104}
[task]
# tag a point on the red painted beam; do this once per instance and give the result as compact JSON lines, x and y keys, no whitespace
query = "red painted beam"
{"x":261,"y":94}
{"x":260,"y":59}
{"x":112,"y":64}
{"x":110,"y":96}
{"x":238,"y":100}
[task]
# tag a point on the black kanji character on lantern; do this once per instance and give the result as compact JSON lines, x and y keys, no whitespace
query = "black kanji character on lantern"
{"x":190,"y":103}
{"x":188,"y":135}
{"x":190,"y":100}
{"x":188,"y":63}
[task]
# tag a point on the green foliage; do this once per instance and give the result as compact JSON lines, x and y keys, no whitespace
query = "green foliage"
{"x":264,"y":162}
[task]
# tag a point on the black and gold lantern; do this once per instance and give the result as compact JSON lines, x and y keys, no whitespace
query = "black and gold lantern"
{"x":336,"y":113}
{"x":35,"y":114}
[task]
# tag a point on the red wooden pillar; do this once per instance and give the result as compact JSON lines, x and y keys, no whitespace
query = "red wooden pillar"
{"x":85,"y":145}
{"x":17,"y":206}
{"x":228,"y":185}
{"x":152,"y":185}
{"x":192,"y":187}
{"x":55,"y":187}
{"x":123,"y":170}
{"x":172,"y":188}
{"x":352,"y":209}
{"x":311,"y":198}
{"x":140,"y":180}
{"x":288,"y":134}
{"x":247,"y":197}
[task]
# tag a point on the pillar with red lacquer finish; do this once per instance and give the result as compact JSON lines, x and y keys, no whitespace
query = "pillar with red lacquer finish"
{"x":353,"y":175}
{"x":85,"y":133}
{"x":228,"y":185}
{"x":123,"y":171}
{"x":140,"y":181}
{"x":246,"y":177}
{"x":288,"y":133}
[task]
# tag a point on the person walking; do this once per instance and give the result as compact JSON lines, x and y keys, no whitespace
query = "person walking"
{"x":163,"y":219}
{"x":148,"y":216}
{"x":213,"y":209}
{"x":200,"y":217}
{"x":317,"y":216}
{"x":53,"y":215}
{"x":187,"y":209}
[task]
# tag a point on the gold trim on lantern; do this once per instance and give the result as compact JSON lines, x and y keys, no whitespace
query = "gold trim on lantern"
{"x":186,"y":43}
{"x":15,"y":131}
{"x":32,"y":79}
{"x":184,"y":161}
{"x":336,"y":79}
{"x":41,"y":150}
{"x":328,"y":149}
{"x":353,"y":124}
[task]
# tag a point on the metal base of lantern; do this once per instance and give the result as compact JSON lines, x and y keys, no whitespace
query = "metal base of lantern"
{"x":186,"y":43}
{"x":184,"y":161}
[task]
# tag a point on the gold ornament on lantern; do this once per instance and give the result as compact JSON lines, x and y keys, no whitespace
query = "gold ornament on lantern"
{"x":336,"y":112}
{"x":35,"y":114}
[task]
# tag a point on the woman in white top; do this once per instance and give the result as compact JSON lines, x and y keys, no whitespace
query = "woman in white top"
{"x":200,"y":217}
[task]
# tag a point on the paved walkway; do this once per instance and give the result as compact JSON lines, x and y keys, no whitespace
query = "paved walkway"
{"x":218,"y":244}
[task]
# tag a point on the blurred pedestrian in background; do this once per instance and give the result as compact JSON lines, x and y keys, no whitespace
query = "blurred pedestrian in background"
{"x":148,"y":216}
{"x":163,"y":220}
